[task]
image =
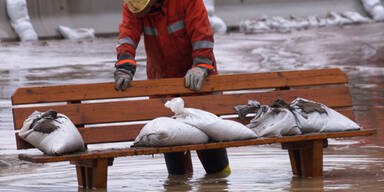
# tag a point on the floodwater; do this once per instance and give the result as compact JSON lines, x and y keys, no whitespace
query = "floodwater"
{"x":353,"y":164}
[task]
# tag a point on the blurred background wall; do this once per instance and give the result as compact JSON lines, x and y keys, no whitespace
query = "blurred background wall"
{"x":233,"y":11}
{"x":105,"y":15}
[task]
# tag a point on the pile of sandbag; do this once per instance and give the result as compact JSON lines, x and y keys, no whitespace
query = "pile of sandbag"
{"x":52,"y":132}
{"x":286,"y":24}
{"x":300,"y":116}
{"x":20,"y":21}
{"x":195,"y":126}
{"x":190,"y":126}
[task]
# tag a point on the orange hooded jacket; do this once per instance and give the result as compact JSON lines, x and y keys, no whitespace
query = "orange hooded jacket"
{"x":176,"y":38}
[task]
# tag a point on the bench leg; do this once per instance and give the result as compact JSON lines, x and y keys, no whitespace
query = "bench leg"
{"x":306,"y":157}
{"x":92,"y":173}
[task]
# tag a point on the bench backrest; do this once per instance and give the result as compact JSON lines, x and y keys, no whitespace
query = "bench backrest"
{"x":104,"y":115}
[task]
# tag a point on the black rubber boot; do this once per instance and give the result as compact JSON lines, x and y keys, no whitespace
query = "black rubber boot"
{"x":214,"y":161}
{"x":178,"y":163}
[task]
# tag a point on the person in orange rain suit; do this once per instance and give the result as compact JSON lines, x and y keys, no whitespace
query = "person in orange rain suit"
{"x":178,"y":42}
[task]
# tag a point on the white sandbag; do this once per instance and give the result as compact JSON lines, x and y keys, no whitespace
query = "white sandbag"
{"x":20,"y":21}
{"x":333,"y":19}
{"x":374,"y":8}
{"x":195,"y":117}
{"x":228,"y":130}
{"x":81,"y":33}
{"x":25,"y":31}
{"x":52,"y":134}
{"x":274,"y":122}
{"x":165,"y":131}
{"x":217,"y":25}
{"x":356,"y":17}
{"x":316,"y":117}
{"x":215,"y":127}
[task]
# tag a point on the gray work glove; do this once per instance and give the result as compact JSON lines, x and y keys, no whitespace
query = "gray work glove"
{"x":123,"y":78}
{"x":194,"y":78}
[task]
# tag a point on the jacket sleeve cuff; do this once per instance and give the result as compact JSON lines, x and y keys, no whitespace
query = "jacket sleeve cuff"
{"x":203,"y":63}
{"x":126,"y":62}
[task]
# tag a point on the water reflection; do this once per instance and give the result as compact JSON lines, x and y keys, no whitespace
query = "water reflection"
{"x":184,"y":183}
{"x":213,"y":182}
{"x":178,"y":183}
{"x":306,"y":184}
{"x":92,"y":190}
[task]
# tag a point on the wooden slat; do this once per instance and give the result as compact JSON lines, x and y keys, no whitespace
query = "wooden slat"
{"x":92,"y":113}
{"x":21,"y":144}
{"x":297,"y":78}
{"x":122,"y":133}
{"x":110,"y":134}
{"x":154,"y":150}
{"x":176,"y":86}
{"x":110,"y":112}
{"x":348,"y":113}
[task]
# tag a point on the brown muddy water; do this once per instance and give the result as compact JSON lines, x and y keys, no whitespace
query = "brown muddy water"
{"x":354,"y":164}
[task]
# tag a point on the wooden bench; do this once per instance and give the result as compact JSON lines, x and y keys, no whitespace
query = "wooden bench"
{"x":327,"y":86}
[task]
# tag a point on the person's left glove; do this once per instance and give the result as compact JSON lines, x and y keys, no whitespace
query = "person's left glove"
{"x":195,"y":77}
{"x":123,"y":78}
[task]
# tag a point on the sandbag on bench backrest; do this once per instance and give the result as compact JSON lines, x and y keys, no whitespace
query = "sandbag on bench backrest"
{"x":99,"y":104}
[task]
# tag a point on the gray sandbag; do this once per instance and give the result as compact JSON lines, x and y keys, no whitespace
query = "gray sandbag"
{"x":315,"y":117}
{"x":165,"y":131}
{"x":275,"y":122}
{"x":52,"y":132}
{"x":310,"y":117}
{"x":269,"y":120}
{"x":252,"y":107}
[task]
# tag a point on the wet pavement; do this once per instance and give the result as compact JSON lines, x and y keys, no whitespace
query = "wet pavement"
{"x":354,"y":164}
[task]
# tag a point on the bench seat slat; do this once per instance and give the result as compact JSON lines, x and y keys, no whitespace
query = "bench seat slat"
{"x":110,"y":134}
{"x":67,"y":93}
{"x":122,"y":111}
{"x":154,"y":150}
{"x":124,"y":133}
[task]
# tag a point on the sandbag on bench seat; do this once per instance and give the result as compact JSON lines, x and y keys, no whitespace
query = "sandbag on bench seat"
{"x":103,"y":115}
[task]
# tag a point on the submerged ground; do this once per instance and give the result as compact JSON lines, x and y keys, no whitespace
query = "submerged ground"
{"x":356,"y":164}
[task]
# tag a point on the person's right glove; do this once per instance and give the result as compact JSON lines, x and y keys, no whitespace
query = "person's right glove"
{"x":125,"y":69}
{"x":195,"y":77}
{"x":123,"y":78}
